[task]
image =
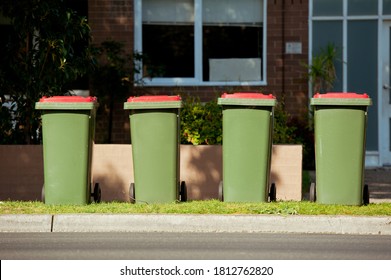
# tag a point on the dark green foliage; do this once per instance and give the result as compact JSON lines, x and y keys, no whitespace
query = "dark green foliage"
{"x":283,"y":133}
{"x":201,"y":123}
{"x":42,"y":56}
{"x":321,"y":72}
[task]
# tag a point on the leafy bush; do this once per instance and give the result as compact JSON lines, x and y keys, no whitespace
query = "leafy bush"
{"x":40,"y":57}
{"x":201,"y":123}
{"x":283,"y":133}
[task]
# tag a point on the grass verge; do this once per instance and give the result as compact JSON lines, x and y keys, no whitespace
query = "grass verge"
{"x":198,"y":207}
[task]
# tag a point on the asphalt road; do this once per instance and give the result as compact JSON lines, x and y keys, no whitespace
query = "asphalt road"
{"x":186,"y":246}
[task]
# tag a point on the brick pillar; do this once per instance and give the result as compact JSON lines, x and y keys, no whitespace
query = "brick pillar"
{"x":286,"y":76}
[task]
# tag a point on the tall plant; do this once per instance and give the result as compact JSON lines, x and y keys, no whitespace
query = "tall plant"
{"x":201,"y":123}
{"x":40,"y":58}
{"x":321,"y":72}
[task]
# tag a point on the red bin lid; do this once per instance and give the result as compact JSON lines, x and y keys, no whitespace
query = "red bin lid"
{"x":248,"y":95}
{"x":154,"y":98}
{"x":68,"y":99}
{"x":341,"y":95}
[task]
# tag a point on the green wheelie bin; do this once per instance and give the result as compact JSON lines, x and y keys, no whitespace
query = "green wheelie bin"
{"x":154,"y":133}
{"x":247,"y":144}
{"x":340,"y":121}
{"x":68,"y":128}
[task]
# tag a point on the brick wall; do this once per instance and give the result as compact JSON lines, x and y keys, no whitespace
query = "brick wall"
{"x":287,"y":21}
{"x":286,"y":75}
{"x":111,"y":20}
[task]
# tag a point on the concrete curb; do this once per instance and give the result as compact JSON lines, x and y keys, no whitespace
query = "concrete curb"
{"x":26,"y":223}
{"x":195,"y":223}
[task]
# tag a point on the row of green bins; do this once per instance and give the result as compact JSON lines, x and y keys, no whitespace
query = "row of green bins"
{"x":247,"y":144}
{"x":340,"y":121}
{"x":68,"y":125}
{"x":154,"y":131}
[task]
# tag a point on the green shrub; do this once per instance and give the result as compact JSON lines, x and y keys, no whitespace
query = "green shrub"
{"x":201,"y":123}
{"x":283,"y":133}
{"x":46,"y":53}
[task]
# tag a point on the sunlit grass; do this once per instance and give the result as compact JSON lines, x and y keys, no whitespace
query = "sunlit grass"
{"x":197,"y":207}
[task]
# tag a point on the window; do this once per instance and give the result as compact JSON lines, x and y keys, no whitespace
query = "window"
{"x":201,"y":42}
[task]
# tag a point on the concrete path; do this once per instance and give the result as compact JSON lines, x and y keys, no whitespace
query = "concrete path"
{"x":195,"y":223}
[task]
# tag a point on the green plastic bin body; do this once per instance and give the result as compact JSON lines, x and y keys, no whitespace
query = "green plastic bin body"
{"x":247,"y":143}
{"x":340,"y":133}
{"x":154,"y":131}
{"x":68,"y":125}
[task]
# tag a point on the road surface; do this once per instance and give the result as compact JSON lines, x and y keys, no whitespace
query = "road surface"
{"x":187,"y":246}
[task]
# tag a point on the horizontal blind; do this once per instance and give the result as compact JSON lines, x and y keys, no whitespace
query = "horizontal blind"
{"x":232,"y":12}
{"x":168,"y":11}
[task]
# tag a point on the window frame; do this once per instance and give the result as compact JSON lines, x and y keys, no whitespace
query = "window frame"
{"x":197,"y":80}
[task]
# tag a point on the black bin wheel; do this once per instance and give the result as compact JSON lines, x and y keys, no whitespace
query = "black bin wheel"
{"x":97,"y":194}
{"x":132,"y":193}
{"x":366,"y":195}
{"x":273,"y":192}
{"x":313,"y":192}
{"x":183,"y":192}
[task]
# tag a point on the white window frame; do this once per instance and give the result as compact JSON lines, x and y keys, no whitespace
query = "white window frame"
{"x":197,"y":80}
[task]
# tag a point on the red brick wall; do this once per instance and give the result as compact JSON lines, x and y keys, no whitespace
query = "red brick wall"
{"x":286,"y":75}
{"x":287,"y":21}
{"x":111,"y":20}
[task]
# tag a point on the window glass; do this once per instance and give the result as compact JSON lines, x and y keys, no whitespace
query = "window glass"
{"x":327,"y":7}
{"x":362,"y":7}
{"x":232,"y":40}
{"x":168,"y":38}
{"x":224,"y":39}
{"x":386,"y":7}
{"x":362,"y":69}
{"x":325,"y":33}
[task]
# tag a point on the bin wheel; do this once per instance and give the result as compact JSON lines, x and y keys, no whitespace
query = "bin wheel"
{"x":313,"y":192}
{"x":273,"y":192}
{"x":221,"y":193}
{"x":183,"y":191}
{"x":97,"y":195}
{"x":132,"y":194}
{"x":366,"y":195}
{"x":43,"y":194}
